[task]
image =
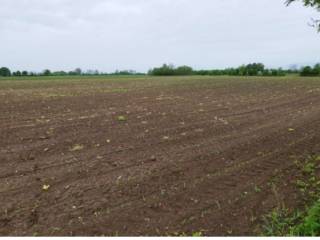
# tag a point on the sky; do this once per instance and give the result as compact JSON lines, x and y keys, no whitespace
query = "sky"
{"x":140,"y":34}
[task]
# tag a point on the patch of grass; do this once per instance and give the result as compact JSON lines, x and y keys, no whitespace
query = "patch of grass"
{"x":282,"y":222}
{"x":310,"y":225}
{"x":279,"y":222}
{"x":309,"y":168}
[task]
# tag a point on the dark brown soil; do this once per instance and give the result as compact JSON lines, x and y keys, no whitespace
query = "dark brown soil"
{"x":188,"y":158}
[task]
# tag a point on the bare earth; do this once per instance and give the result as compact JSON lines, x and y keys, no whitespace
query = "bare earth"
{"x":188,"y":157}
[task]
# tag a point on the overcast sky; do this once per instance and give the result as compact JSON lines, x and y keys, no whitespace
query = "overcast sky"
{"x":140,"y":34}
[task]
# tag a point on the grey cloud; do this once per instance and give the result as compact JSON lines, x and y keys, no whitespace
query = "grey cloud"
{"x":138,"y":34}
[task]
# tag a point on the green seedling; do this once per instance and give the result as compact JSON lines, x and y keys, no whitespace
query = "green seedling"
{"x":122,"y":118}
{"x":257,"y":189}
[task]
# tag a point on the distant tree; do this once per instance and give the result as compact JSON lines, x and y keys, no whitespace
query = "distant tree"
{"x":183,"y":70}
{"x":165,"y":70}
{"x":310,"y":3}
{"x":308,"y":71}
{"x":17,"y":73}
{"x":254,"y":69}
{"x":170,"y":70}
{"x":281,"y":72}
{"x":59,"y":73}
{"x":24,"y":73}
{"x":242,"y":70}
{"x":78,"y":71}
{"x":316,"y":69}
{"x":5,"y":72}
{"x":123,"y":72}
{"x":46,"y":72}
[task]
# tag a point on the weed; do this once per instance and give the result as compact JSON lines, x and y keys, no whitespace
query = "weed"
{"x":311,"y":223}
{"x":76,"y":147}
{"x":282,"y":222}
{"x":194,"y":234}
{"x":309,"y":168}
{"x":197,"y":234}
{"x":301,"y":185}
{"x":45,"y":187}
{"x":122,"y":119}
{"x":257,"y":189}
{"x":279,"y":221}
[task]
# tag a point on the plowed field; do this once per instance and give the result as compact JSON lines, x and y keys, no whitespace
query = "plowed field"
{"x":150,"y":156}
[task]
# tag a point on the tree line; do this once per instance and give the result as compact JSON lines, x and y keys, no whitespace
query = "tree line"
{"x":311,"y":71}
{"x":6,"y":72}
{"x":253,"y":69}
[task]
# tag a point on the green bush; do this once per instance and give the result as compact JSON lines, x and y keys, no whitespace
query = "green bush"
{"x":311,"y":224}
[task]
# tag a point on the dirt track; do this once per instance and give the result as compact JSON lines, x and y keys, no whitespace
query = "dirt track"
{"x":187,"y":159}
